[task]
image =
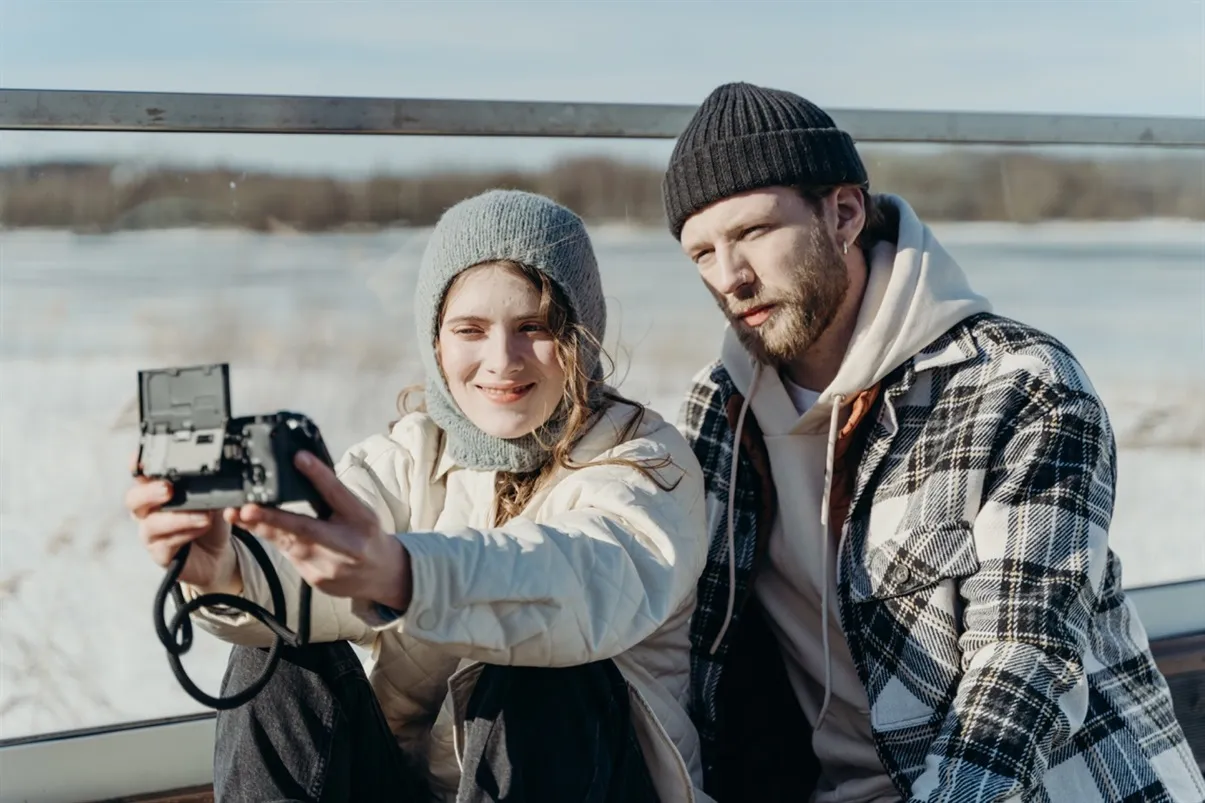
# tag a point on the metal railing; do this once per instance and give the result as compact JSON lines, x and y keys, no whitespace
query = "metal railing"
{"x":69,"y":110}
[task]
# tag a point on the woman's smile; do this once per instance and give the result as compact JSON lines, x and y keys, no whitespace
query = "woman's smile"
{"x":505,"y":394}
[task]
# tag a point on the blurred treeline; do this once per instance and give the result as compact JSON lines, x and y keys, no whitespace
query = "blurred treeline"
{"x":956,"y":185}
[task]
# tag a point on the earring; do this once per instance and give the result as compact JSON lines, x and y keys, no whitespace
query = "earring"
{"x":845,"y":248}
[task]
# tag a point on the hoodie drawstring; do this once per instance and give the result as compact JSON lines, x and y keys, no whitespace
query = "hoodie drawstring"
{"x":736,"y":450}
{"x":829,"y":460}
{"x":731,"y":531}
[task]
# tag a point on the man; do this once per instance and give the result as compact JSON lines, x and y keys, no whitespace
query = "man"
{"x":910,"y":593}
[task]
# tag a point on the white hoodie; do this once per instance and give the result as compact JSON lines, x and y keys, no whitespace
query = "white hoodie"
{"x":915,"y":291}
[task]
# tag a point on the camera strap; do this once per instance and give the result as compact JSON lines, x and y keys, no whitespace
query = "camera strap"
{"x":181,"y":625}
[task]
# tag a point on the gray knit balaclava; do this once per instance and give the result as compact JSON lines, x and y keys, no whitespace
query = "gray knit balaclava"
{"x":531,"y":230}
{"x":745,"y":137}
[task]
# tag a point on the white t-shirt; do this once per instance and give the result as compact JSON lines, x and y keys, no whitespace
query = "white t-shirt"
{"x":802,"y":398}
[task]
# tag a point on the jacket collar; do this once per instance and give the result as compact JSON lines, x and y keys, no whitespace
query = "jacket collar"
{"x":445,"y":462}
{"x":954,"y":347}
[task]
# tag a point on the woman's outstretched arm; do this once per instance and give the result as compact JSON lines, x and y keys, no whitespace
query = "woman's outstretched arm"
{"x":608,"y":559}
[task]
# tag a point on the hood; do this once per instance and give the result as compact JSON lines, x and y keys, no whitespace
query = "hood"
{"x":914,"y":293}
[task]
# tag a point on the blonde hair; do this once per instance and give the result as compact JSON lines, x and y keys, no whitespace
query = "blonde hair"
{"x":580,"y":400}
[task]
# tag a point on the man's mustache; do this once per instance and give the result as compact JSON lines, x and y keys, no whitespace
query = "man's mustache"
{"x":746,"y":306}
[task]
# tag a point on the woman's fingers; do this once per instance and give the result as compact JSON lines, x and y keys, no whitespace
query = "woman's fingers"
{"x":164,"y":533}
{"x":143,"y":498}
{"x":250,"y":518}
{"x":162,"y":524}
{"x":286,"y":529}
{"x":164,"y":549}
{"x":341,"y":499}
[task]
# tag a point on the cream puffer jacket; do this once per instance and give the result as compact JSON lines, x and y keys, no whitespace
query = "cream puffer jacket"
{"x":602,"y":564}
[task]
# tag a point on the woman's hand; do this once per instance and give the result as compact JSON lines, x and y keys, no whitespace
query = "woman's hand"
{"x":212,"y":564}
{"x":348,"y":555}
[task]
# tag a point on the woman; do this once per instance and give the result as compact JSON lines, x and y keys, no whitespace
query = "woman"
{"x":520,"y":556}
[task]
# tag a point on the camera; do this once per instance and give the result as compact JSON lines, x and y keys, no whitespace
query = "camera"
{"x":212,"y":459}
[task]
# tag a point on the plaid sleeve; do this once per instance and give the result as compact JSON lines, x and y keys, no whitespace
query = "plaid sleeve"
{"x":1041,"y":536}
{"x":699,"y":401}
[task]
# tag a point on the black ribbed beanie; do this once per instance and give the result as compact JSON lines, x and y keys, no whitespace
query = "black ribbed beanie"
{"x":744,"y":137}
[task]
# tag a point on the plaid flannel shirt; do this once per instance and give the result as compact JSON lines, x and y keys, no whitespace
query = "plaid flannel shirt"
{"x":980,"y":599}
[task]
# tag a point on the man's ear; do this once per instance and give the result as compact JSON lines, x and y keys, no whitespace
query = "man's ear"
{"x":849,"y":206}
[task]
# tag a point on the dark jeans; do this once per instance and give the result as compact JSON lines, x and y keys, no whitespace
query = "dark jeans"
{"x":316,"y":733}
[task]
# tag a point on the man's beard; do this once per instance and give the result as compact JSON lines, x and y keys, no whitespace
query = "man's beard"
{"x":803,"y":310}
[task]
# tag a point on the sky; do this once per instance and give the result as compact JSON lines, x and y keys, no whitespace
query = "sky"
{"x":1126,"y":57}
